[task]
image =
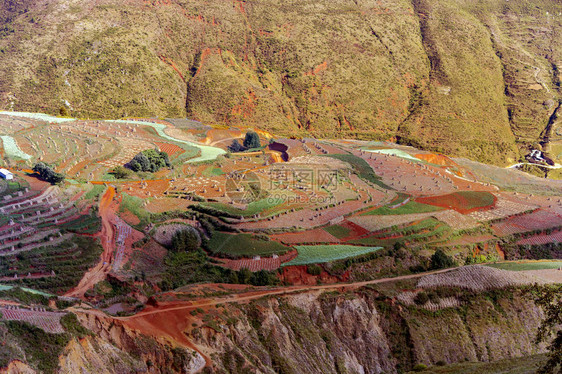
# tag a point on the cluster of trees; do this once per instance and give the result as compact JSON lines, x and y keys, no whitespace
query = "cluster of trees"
{"x":185,"y":240}
{"x":440,"y":260}
{"x":252,"y":140}
{"x":150,"y":160}
{"x":47,"y":173}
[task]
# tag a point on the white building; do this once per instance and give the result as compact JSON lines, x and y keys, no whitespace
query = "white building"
{"x":6,"y":174}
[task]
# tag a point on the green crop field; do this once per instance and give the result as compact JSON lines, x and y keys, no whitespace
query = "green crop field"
{"x":243,"y":245}
{"x":314,"y":254}
{"x":338,"y":231}
{"x":362,"y":168}
{"x":527,"y":265}
{"x":256,"y":207}
{"x":409,"y":208}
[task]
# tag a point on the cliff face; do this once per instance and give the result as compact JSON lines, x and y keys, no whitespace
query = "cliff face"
{"x":466,"y":78}
{"x":356,"y":332}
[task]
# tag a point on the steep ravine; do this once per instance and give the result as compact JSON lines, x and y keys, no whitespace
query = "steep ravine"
{"x":313,"y":332}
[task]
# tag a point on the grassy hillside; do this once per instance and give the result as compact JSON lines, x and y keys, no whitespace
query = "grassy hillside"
{"x":470,"y":79}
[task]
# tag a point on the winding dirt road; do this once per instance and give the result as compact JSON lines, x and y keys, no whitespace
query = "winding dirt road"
{"x":107,"y":237}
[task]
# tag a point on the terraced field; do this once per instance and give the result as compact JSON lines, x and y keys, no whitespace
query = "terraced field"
{"x":314,"y":254}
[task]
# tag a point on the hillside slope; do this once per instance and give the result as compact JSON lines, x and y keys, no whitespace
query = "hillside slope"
{"x":470,"y":79}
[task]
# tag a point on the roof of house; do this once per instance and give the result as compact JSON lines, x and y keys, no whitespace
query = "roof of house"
{"x":5,"y":172}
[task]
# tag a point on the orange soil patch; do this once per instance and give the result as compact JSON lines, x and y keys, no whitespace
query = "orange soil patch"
{"x":147,"y":188}
{"x":168,"y":324}
{"x":35,"y":184}
{"x":436,"y":159}
{"x":129,"y":217}
{"x":219,"y":135}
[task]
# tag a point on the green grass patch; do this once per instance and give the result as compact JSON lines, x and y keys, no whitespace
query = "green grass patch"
{"x":94,"y":192}
{"x":362,"y":168}
{"x":212,"y":171}
{"x":410,"y":207}
{"x":527,"y":265}
{"x":243,"y":245}
{"x":314,"y":254}
{"x":337,"y":231}
{"x":134,"y":205}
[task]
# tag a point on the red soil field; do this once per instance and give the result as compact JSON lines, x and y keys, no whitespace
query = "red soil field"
{"x":355,"y":231}
{"x":463,"y":202}
{"x":170,"y":149}
{"x":298,"y":275}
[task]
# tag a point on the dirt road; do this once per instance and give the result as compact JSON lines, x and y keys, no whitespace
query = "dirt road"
{"x":107,"y":237}
{"x":248,"y":296}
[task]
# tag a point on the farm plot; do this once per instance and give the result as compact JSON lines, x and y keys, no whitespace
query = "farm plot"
{"x":314,"y":254}
{"x":346,"y":230}
{"x":39,"y":317}
{"x":309,"y":218}
{"x":243,"y":245}
{"x":260,"y":263}
{"x":171,"y":149}
{"x":308,"y":236}
{"x":456,"y":220}
{"x":539,"y":220}
{"x":11,"y":125}
{"x":527,"y":265}
{"x":425,"y":230}
{"x":477,"y":278}
{"x":467,"y":240}
{"x":128,"y":148}
{"x":463,"y":201}
{"x":411,"y":207}
{"x":502,"y":209}
{"x":555,"y":237}
{"x":376,"y":223}
{"x":11,"y":148}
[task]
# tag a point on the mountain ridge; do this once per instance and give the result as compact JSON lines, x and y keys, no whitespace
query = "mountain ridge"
{"x":448,"y":76}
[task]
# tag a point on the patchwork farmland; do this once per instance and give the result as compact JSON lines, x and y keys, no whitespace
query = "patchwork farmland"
{"x":290,"y":210}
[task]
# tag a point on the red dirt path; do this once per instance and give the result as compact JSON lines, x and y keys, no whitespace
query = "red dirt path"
{"x":107,"y":236}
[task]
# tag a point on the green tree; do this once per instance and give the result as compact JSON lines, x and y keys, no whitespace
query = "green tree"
{"x":186,"y":240}
{"x":235,"y":146}
{"x":150,"y":160}
{"x":549,"y":298}
{"x":252,"y":140}
{"x":440,"y":260}
{"x":47,"y":173}
{"x":120,"y":172}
